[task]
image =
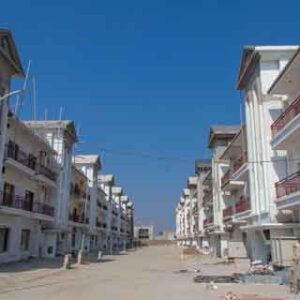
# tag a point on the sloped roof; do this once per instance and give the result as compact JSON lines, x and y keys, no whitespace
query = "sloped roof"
{"x":9,"y":51}
{"x":202,"y":164}
{"x":222,"y":131}
{"x":117,"y":190}
{"x":109,"y":178}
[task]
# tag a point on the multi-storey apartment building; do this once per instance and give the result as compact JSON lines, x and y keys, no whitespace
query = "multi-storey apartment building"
{"x":90,"y":166}
{"x":194,"y":217}
{"x":235,"y":188}
{"x":102,"y":219}
{"x":28,"y":174}
{"x":79,"y":208}
{"x":50,"y":203}
{"x":116,"y":210}
{"x":260,"y":67}
{"x":202,"y":168}
{"x":61,"y":136}
{"x":219,"y":138}
{"x":28,"y":194}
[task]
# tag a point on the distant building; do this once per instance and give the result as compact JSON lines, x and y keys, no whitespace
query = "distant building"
{"x":144,"y":232}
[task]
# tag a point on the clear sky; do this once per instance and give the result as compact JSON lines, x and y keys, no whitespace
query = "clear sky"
{"x":144,"y":77}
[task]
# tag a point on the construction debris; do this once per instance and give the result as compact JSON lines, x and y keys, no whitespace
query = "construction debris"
{"x":231,"y":296}
{"x":216,"y":279}
{"x":257,"y":267}
{"x":211,"y":286}
{"x":189,"y":251}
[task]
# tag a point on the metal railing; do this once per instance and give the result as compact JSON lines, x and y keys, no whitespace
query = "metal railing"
{"x":289,"y":114}
{"x":207,"y":197}
{"x":208,"y":221}
{"x":225,"y":178}
{"x":47,"y":172}
{"x":288,"y":185}
{"x":23,"y":203}
{"x":14,"y":152}
{"x":227,"y":212}
{"x":78,"y":218}
{"x":243,"y":205}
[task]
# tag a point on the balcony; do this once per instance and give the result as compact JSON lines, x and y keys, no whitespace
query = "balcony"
{"x":233,"y":179}
{"x":243,"y":205}
{"x":226,"y":177}
{"x":25,"y":204}
{"x":78,"y":193}
{"x":207,"y":198}
{"x":47,"y":172}
{"x":288,"y":191}
{"x":227,"y":213}
{"x":14,"y":153}
{"x":285,"y":129}
{"x":114,"y":228}
{"x":209,"y":221}
{"x":78,"y":219}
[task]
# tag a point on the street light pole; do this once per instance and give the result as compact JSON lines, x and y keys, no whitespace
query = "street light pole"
{"x":4,"y":97}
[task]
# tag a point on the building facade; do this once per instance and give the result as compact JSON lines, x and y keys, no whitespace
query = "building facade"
{"x":51,"y":202}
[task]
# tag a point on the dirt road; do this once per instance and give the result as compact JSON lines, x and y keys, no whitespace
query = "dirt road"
{"x":149,"y":273}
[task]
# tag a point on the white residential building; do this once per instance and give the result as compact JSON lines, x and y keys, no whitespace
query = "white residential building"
{"x":219,"y":138}
{"x":202,"y":168}
{"x":260,"y":66}
{"x":90,"y":166}
{"x":61,"y":136}
{"x":235,"y":187}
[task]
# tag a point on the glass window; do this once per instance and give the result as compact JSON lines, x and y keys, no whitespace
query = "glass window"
{"x":4,"y":235}
{"x":25,"y":239}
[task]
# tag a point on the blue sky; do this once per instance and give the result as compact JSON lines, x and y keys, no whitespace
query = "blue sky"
{"x":144,"y":77}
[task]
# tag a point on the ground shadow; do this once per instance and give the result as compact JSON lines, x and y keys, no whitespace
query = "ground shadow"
{"x":31,"y":265}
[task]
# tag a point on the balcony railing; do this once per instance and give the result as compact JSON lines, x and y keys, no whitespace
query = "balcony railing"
{"x":14,"y":152}
{"x":114,"y":228}
{"x":208,"y":221}
{"x":26,"y":204}
{"x":47,"y":172}
{"x":243,"y":205}
{"x":288,"y":185}
{"x":226,"y":177}
{"x":237,"y":164}
{"x":289,"y":114}
{"x":227,"y":212}
{"x":207,"y":197}
{"x":78,"y":218}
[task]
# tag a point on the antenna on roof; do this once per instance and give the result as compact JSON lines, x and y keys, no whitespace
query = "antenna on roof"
{"x":33,"y":99}
{"x":20,"y":96}
{"x":61,"y":112}
{"x":46,"y":113}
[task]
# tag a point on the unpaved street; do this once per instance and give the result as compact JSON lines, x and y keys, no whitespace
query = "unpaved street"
{"x":149,"y":273}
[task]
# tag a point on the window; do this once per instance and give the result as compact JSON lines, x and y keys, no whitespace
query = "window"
{"x":4,"y":235}
{"x":25,"y":239}
{"x":8,"y":194}
{"x":28,"y":204}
